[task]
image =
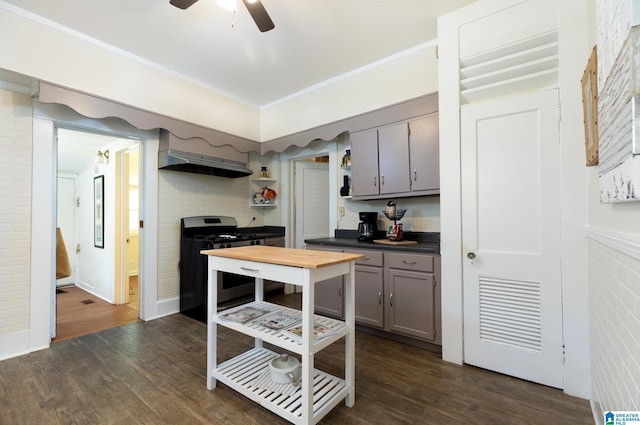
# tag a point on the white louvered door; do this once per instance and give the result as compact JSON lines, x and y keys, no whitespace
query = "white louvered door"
{"x":511,"y":225}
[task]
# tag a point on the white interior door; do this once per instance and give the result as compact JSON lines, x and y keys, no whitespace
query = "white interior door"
{"x":66,"y":211}
{"x":511,"y":226}
{"x":311,"y":201}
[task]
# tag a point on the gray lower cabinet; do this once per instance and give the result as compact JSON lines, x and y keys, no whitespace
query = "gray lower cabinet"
{"x":369,"y":291}
{"x":328,"y":299}
{"x":396,"y":292}
{"x":412,"y":295}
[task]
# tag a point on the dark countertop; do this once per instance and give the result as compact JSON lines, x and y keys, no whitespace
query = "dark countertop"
{"x":428,"y":242}
{"x":264,"y":231}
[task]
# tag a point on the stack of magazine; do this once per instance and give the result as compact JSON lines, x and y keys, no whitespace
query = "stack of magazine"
{"x":287,"y":322}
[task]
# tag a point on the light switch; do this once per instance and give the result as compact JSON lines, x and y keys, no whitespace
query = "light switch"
{"x":341,"y":209}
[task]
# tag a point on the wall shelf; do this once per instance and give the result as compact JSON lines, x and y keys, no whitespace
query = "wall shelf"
{"x":256,"y":186}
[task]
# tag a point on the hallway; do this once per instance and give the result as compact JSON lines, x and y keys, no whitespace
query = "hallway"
{"x":81,"y":313}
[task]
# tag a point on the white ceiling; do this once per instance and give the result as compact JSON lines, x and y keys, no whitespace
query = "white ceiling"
{"x":313,"y":41}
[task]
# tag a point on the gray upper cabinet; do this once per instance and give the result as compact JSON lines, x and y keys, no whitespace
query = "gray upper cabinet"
{"x":364,"y":160}
{"x":396,"y":160}
{"x":424,"y":155}
{"x":393,"y":157}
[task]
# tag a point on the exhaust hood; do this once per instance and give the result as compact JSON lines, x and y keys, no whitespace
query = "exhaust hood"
{"x":198,"y":156}
{"x":172,"y":159}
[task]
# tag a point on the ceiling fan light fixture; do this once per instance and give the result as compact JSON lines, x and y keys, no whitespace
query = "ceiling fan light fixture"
{"x":230,"y":5}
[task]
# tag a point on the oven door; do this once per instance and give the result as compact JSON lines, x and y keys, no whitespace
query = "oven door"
{"x":233,"y":286}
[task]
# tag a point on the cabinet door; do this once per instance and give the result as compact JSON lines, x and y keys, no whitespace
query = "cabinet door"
{"x":393,"y":154}
{"x":369,"y":296}
{"x":328,"y":299}
{"x":424,"y":152}
{"x":364,"y":163}
{"x":411,"y":303}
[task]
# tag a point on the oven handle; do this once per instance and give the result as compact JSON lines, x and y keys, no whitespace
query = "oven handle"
{"x":247,"y":269}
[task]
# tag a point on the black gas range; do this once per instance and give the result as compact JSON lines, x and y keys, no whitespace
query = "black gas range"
{"x":211,"y":232}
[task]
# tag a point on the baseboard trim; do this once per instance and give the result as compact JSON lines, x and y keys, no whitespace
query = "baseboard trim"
{"x":166,"y":307}
{"x":17,"y":344}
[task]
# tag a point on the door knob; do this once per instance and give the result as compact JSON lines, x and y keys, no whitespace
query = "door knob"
{"x":471,"y":256}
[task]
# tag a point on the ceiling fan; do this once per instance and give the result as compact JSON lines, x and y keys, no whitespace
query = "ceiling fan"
{"x":255,"y":8}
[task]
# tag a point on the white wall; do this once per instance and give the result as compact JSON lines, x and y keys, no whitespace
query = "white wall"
{"x":79,"y":63}
{"x":75,"y":61}
{"x":96,"y":267}
{"x":577,"y":37}
{"x":614,"y":261}
{"x":407,"y":75}
{"x":15,"y":221}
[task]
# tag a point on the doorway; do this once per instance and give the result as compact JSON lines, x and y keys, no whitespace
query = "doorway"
{"x":311,"y":199}
{"x":102,"y":283}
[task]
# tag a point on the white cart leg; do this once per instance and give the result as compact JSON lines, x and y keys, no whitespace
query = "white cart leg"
{"x":307,"y":343}
{"x":212,"y":328}
{"x":350,"y":339}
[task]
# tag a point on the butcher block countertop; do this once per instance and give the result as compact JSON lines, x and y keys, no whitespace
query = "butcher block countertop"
{"x":306,"y":258}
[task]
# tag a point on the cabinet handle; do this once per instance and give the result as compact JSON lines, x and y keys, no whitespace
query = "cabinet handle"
{"x":415,"y":175}
{"x":381,"y":179}
{"x":391,"y":300}
{"x":379,"y":297}
{"x":365,"y":259}
{"x":247,"y":269}
{"x":409,"y":263}
{"x":340,"y":291}
{"x":375,"y":181}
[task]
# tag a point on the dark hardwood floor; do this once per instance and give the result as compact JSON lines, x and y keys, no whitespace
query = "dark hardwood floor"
{"x":154,"y":373}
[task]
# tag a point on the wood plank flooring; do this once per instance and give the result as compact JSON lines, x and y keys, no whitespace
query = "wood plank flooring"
{"x":154,"y":373}
{"x":80,"y":313}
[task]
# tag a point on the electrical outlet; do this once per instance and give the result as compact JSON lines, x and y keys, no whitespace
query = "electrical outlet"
{"x":341,"y":209}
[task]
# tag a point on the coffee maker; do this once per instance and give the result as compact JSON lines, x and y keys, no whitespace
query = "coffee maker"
{"x":367,"y":226}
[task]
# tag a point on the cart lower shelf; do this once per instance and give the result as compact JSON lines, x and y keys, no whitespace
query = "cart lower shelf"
{"x":246,"y":374}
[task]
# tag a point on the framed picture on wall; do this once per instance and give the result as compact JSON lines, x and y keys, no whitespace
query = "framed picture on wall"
{"x":590,"y":108}
{"x":98,"y":215}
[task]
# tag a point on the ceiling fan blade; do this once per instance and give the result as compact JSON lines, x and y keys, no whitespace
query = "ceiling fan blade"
{"x":259,"y":15}
{"x":182,"y":4}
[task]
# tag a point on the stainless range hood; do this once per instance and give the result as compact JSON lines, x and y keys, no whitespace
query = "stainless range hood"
{"x":198,"y":156}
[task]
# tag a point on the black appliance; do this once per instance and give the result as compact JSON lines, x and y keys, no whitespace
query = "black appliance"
{"x":210,"y":232}
{"x":367,"y":226}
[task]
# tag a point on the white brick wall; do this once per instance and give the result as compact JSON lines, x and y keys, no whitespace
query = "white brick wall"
{"x":15,"y":210}
{"x":184,"y":195}
{"x":614,"y":305}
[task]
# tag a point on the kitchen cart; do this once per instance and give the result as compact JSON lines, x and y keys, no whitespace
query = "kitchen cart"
{"x":248,"y":373}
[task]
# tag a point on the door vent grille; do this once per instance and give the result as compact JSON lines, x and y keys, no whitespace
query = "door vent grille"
{"x":510,"y":313}
{"x":528,"y":64}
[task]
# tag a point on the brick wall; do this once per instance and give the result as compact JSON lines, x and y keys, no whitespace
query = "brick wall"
{"x":614,"y":305}
{"x":15,"y":210}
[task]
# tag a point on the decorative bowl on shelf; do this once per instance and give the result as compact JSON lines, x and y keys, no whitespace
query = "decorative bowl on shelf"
{"x":398,"y":216}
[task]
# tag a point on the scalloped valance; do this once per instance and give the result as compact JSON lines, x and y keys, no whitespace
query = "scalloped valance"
{"x":99,"y":108}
